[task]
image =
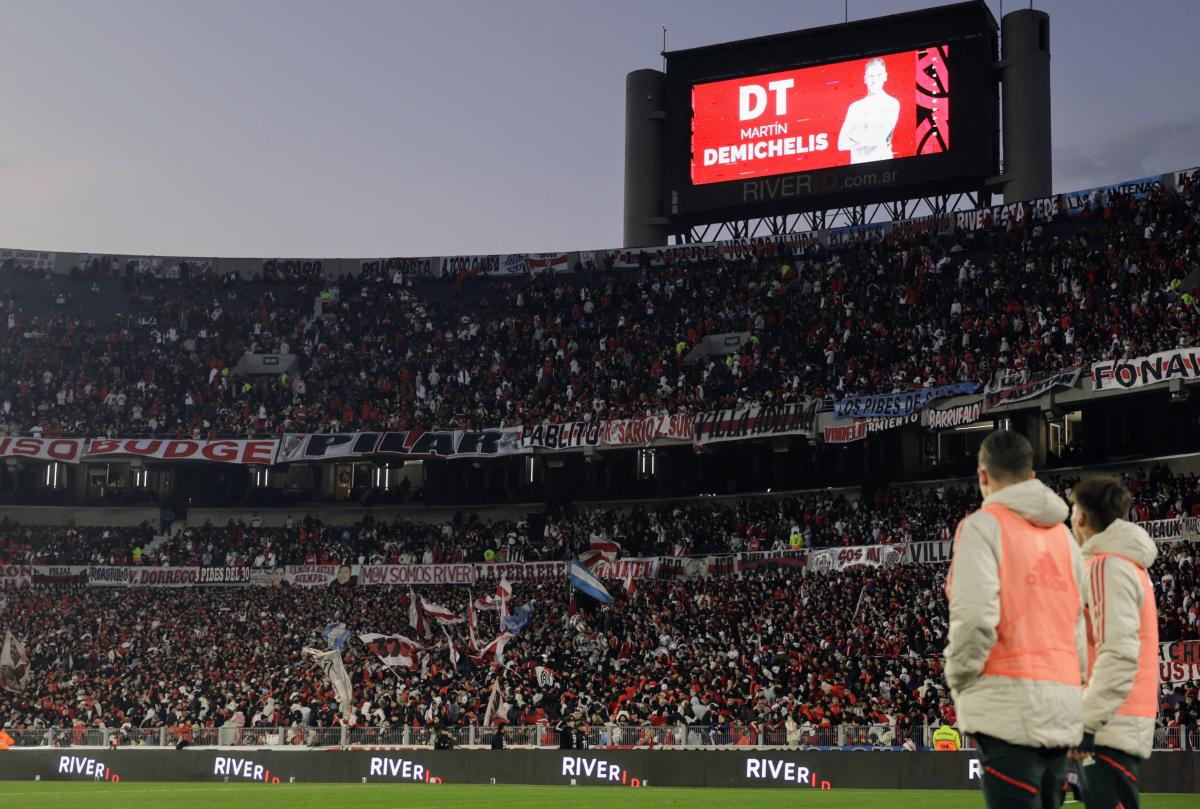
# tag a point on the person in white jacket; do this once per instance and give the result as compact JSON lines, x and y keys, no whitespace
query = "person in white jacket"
{"x":1015,"y":658}
{"x":1120,"y":702}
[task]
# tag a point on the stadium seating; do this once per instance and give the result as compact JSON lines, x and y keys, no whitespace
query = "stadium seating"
{"x":140,"y":356}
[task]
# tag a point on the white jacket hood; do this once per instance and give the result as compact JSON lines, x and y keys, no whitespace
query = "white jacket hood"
{"x":1032,"y":500}
{"x":1123,"y":539}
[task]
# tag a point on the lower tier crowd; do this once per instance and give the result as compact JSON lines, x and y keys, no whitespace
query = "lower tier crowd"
{"x":771,"y":656}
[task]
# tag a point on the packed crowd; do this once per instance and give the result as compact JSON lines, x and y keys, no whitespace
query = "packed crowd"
{"x":771,"y":656}
{"x":686,"y":528}
{"x":380,"y":352}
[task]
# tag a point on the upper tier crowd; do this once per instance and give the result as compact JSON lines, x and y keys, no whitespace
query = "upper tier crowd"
{"x":135,"y":356}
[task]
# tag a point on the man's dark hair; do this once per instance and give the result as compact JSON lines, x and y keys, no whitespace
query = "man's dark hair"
{"x":1102,"y":498}
{"x":1006,"y":455}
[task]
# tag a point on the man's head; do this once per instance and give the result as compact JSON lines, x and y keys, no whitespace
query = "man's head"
{"x":875,"y":76}
{"x":1005,"y":458}
{"x":1095,"y":503}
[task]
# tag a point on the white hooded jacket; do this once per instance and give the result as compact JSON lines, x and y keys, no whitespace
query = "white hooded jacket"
{"x":1114,"y":600}
{"x":1032,"y":713}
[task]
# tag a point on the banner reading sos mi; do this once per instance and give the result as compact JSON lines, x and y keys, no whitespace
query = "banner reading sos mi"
{"x":839,"y":114}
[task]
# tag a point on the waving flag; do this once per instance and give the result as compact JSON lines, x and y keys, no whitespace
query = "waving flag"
{"x":471,"y":620}
{"x":15,"y":673}
{"x":440,"y":614}
{"x":515,"y":622}
{"x":331,"y":663}
{"x":493,"y":703}
{"x":453,"y":651}
{"x":416,"y":615}
{"x":503,"y":594}
{"x":494,"y":648}
{"x":336,"y":635}
{"x":392,"y":650}
{"x":585,"y":581}
{"x":600,"y":549}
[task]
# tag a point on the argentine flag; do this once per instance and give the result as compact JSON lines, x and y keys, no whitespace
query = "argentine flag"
{"x":586,"y":581}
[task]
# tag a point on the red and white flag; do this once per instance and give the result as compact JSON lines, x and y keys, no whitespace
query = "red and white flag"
{"x":600,"y":549}
{"x":495,"y":648}
{"x":394,"y":651}
{"x":416,"y":615}
{"x":503,"y":594}
{"x":453,"y":651}
{"x":440,"y":614}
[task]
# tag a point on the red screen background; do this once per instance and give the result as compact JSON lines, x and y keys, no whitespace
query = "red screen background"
{"x":816,"y":104}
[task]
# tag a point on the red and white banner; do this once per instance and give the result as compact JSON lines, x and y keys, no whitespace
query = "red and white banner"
{"x":223,"y":451}
{"x":67,"y":450}
{"x":845,"y":433}
{"x":556,"y":571}
{"x":1014,"y":212}
{"x":416,"y":574}
{"x":532,"y":263}
{"x":1179,"y":661}
{"x":621,"y":432}
{"x":15,"y":576}
{"x":840,"y":114}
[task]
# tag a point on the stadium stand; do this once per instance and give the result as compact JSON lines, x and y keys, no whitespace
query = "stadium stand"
{"x":775,"y":656}
{"x":376,"y":352}
{"x":769,"y":655}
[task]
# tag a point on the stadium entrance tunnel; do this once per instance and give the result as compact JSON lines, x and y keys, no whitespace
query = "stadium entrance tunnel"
{"x":782,"y":769}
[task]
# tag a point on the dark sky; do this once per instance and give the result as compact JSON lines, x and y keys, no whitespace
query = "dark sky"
{"x":358,"y":128}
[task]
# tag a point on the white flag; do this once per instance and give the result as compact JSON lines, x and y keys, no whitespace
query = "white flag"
{"x":335,"y":672}
{"x":14,"y":665}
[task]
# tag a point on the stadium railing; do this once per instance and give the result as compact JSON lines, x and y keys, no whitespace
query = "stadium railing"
{"x":520,"y":736}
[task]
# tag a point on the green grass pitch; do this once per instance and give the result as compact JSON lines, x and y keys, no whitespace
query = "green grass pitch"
{"x":54,"y":794}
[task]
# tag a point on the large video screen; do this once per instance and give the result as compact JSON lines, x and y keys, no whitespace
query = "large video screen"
{"x":873,"y":111}
{"x":840,"y":114}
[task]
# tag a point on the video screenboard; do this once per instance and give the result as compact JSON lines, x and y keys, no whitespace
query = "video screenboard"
{"x":877,"y":110}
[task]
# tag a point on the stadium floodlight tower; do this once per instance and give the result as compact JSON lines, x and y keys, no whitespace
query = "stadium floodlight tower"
{"x":1025,"y":79}
{"x":645,"y":115}
{"x":846,"y":125}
